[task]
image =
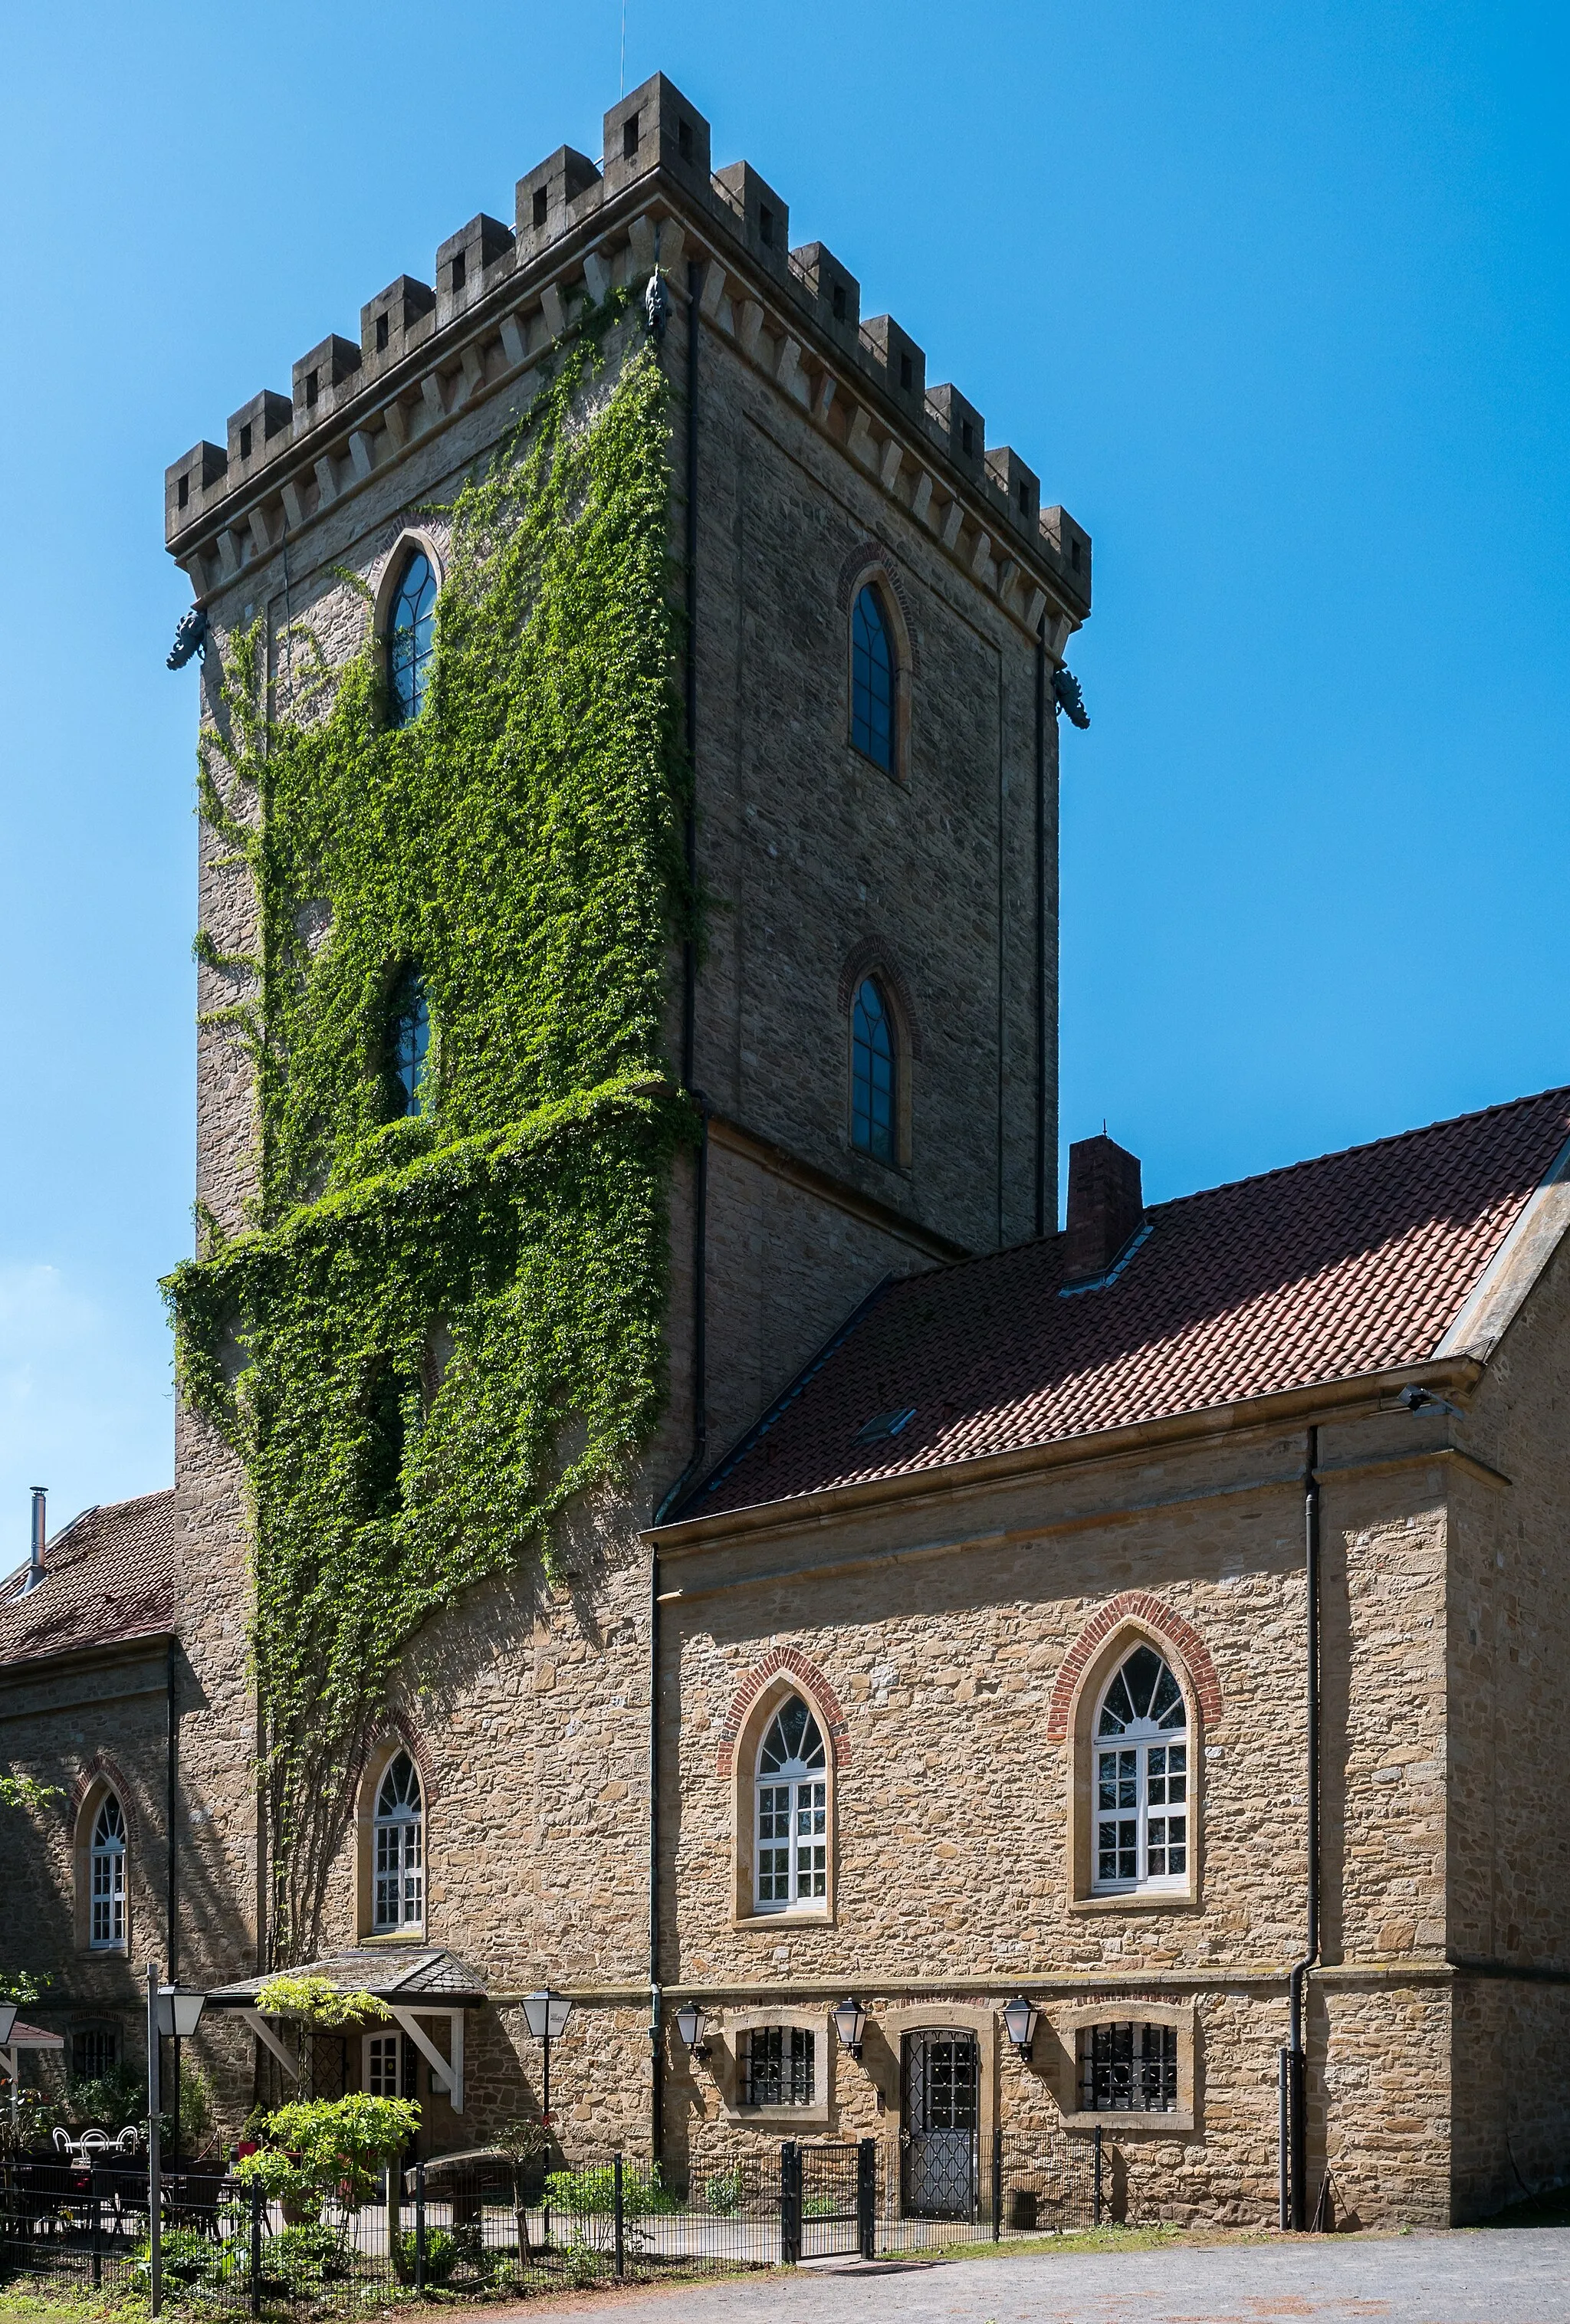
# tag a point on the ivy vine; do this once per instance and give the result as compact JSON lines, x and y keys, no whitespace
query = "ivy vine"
{"x":420,"y":1309}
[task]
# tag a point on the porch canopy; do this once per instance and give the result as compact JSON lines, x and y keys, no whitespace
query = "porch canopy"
{"x":24,"y":2037}
{"x":410,"y":1982}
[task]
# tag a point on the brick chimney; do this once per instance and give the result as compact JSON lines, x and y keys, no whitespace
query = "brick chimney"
{"x":1106,"y":1208}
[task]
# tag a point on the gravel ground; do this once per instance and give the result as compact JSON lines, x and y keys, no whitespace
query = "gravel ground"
{"x":1519,"y":2277}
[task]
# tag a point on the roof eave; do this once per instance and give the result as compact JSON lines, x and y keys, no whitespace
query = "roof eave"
{"x":1458,"y":1371}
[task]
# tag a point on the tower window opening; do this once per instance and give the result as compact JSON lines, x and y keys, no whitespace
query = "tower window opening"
{"x":1024,"y":497}
{"x":765,"y":225}
{"x":966,"y":439}
{"x":408,"y":1045}
{"x":182,"y":491}
{"x":410,"y":639}
{"x":871,"y":1073}
{"x":684,"y":140}
{"x":839,"y":302}
{"x":872,"y":680}
{"x":381,"y":334}
{"x":245,"y":441}
{"x":905,"y":373}
{"x":542,"y":206}
{"x":630,"y":137}
{"x":460,"y":268}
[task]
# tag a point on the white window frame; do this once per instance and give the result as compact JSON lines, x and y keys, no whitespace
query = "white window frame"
{"x":374,"y":2050}
{"x":106,"y":1879}
{"x":1135,"y":1764}
{"x":398,"y":1854}
{"x":790,"y":1820}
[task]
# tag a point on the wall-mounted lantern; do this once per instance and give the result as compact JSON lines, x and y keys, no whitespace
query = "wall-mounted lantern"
{"x":692,"y":2025}
{"x":1021,"y":2019}
{"x":850,"y":2022}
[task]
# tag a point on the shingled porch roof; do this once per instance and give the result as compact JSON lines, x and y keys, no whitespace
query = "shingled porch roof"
{"x":410,"y":1975}
{"x":1358,"y":1263}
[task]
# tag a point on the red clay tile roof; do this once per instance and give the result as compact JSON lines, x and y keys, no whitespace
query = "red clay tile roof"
{"x":1356,"y":1263}
{"x":108,"y":1576}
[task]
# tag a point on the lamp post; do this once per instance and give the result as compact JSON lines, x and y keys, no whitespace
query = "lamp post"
{"x":850,"y":2022}
{"x":1021,"y":2019}
{"x":546,"y":2015}
{"x":692,"y":2025}
{"x":171,"y":2011}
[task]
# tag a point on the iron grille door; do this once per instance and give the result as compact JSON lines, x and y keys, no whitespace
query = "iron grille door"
{"x":942,"y":2115}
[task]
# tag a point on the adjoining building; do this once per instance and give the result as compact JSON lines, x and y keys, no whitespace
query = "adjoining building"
{"x":661,"y":1511}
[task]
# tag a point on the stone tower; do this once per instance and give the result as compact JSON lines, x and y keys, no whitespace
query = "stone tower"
{"x":810,"y":461}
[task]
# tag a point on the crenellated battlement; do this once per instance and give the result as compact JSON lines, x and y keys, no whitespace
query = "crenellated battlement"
{"x":502,"y":295}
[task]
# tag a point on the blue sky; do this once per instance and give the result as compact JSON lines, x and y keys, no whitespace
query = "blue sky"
{"x":1274,"y":298}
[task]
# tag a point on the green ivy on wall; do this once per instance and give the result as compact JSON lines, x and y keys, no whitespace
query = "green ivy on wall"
{"x":425,"y":1309}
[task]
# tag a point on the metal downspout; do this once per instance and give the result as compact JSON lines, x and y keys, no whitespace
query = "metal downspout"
{"x":1294,"y":2076}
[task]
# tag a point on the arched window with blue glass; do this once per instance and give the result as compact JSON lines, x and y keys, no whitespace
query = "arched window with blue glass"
{"x":411,"y":634}
{"x":874,"y":1072}
{"x":874,"y":669}
{"x":408,"y":1045}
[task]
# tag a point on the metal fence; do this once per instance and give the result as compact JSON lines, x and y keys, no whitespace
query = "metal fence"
{"x":482,"y":2228}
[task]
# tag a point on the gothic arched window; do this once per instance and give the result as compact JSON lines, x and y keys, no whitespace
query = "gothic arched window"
{"x":1141,"y":1778}
{"x":400,"y":1854}
{"x":872,"y":678}
{"x":873,"y":1093}
{"x":793,"y":1811}
{"x":106,"y":1875}
{"x":411,"y":638}
{"x":408,"y":1043}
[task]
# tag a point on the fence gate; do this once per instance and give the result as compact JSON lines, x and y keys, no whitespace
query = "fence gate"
{"x":941,"y":2076}
{"x":826,"y":2196}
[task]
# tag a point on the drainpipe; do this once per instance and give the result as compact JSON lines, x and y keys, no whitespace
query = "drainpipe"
{"x":1293,"y":2060}
{"x":1041,"y":929}
{"x":699,"y":1220}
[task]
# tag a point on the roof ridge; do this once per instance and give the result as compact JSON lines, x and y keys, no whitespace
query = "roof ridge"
{"x":1366,"y":1146}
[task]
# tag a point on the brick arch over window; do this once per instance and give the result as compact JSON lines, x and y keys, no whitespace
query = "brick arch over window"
{"x":874,"y":560}
{"x":102,"y":1771}
{"x":394,"y":1731}
{"x":1152,"y":1614}
{"x":872,"y":957}
{"x":820,"y":1696}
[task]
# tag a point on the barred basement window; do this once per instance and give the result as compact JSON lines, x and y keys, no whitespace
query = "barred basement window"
{"x":107,"y":1870}
{"x":1141,"y":1779}
{"x":779,"y":2065}
{"x":1128,"y":2069}
{"x":410,"y":639}
{"x":792,"y":1809}
{"x":400,"y":1854}
{"x":95,"y":2052}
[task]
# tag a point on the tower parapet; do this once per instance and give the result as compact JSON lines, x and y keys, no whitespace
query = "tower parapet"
{"x":502,"y":295}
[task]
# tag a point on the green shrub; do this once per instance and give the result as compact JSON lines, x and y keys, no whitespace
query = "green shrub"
{"x":443,"y":2251}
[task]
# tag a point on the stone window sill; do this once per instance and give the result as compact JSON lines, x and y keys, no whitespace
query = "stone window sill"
{"x":781,"y":2117}
{"x":1163,"y":2124}
{"x":1148,"y":1899}
{"x":817,"y":1919}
